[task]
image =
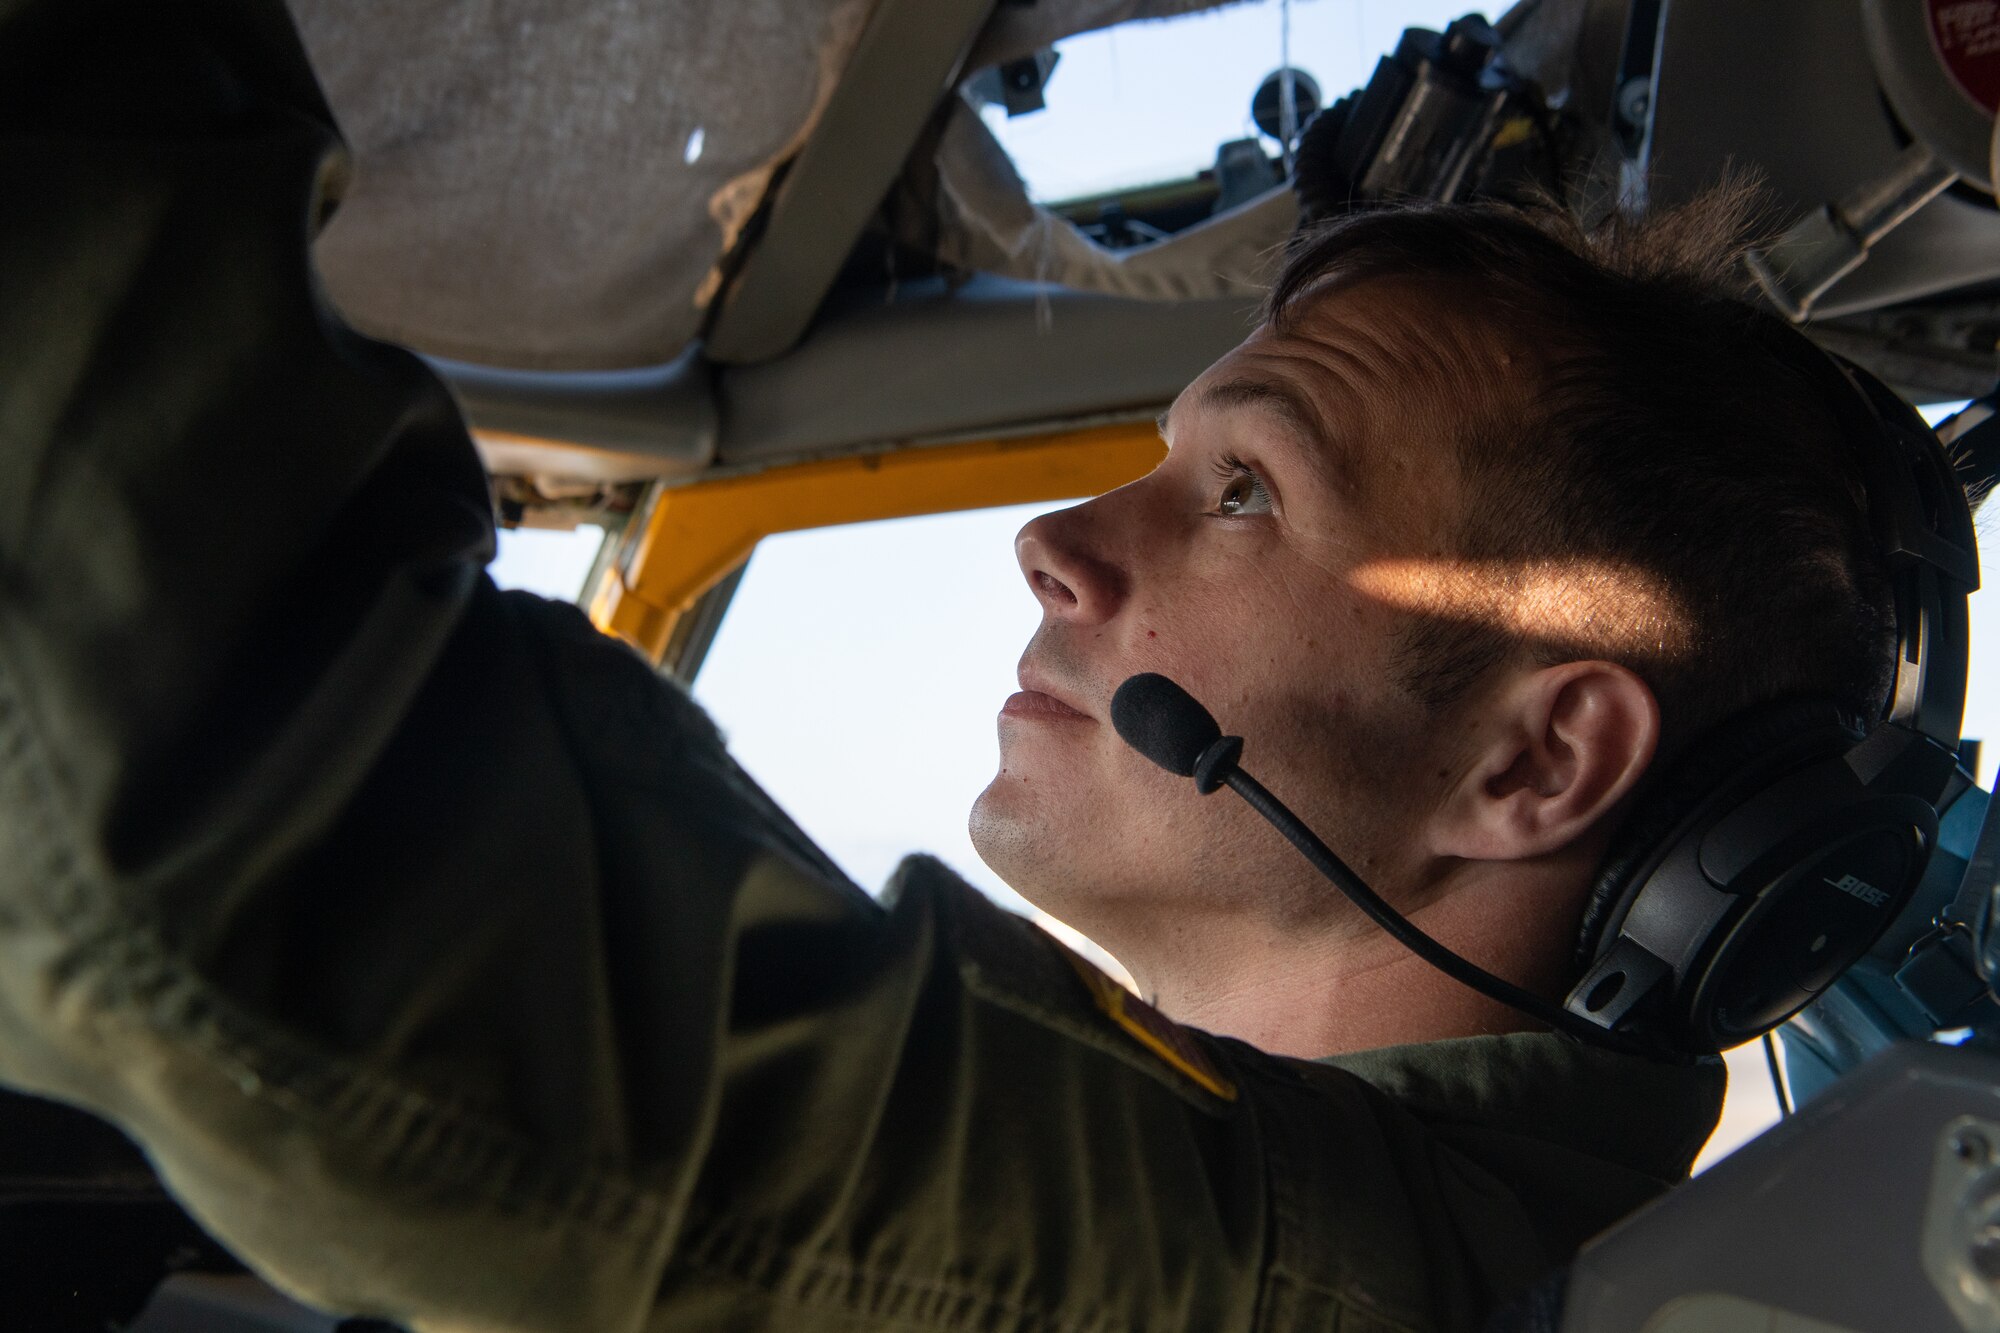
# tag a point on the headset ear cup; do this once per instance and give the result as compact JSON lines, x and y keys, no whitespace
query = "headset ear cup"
{"x":1725,"y":763}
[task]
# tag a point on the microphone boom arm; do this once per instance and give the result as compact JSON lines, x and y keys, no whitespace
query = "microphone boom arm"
{"x":1461,"y":970}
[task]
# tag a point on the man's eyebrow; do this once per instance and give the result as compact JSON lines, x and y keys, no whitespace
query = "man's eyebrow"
{"x":1279,"y":399}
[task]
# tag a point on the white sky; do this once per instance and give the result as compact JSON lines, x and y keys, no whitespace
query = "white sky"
{"x":859,"y":670}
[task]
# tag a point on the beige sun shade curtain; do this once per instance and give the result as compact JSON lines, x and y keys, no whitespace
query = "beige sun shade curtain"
{"x":547,"y":184}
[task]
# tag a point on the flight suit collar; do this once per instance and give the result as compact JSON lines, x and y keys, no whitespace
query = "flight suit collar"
{"x":1650,"y":1115}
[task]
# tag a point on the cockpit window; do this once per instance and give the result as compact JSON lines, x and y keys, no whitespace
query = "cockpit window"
{"x":1148,"y":102}
{"x":1982,"y":682}
{"x":553,"y":563}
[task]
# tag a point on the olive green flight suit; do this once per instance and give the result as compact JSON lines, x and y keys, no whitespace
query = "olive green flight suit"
{"x":442,"y":960}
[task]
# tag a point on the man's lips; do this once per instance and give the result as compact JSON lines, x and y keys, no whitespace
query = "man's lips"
{"x":1035,"y":704}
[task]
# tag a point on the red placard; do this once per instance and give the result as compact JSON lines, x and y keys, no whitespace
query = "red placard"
{"x":1966,"y":36}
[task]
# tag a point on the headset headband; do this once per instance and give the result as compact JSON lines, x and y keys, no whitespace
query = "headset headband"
{"x":1922,"y":527}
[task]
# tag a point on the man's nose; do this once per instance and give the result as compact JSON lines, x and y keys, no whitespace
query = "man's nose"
{"x":1068,"y":567}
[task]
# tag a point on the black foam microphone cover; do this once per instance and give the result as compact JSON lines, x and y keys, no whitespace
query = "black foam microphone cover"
{"x":1162,"y":721}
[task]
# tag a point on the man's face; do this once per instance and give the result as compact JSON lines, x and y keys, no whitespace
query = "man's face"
{"x":1240,"y":567}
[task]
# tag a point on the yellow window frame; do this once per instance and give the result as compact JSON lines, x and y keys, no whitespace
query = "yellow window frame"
{"x":697,"y":533}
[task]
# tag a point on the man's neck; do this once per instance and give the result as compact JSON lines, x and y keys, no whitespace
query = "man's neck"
{"x":1343,"y":985}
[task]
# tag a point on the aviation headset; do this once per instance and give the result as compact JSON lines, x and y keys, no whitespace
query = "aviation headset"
{"x":1777,"y":849}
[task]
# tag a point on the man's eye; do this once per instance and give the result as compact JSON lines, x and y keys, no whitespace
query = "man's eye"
{"x":1243,"y":492}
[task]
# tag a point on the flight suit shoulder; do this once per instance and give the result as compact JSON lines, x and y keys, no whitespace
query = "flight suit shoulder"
{"x":1008,"y":961}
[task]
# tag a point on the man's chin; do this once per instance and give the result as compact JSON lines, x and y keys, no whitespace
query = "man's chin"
{"x":1036,"y":837}
{"x":997,"y":824}
{"x":1020,"y":832}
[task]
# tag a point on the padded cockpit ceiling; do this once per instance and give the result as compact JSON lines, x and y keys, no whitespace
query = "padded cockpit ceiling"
{"x":523,"y":195}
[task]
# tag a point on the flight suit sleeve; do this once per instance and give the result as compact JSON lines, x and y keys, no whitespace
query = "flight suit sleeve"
{"x":437,"y":954}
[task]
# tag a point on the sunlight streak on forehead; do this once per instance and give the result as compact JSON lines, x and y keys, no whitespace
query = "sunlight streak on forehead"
{"x":1578,"y":607}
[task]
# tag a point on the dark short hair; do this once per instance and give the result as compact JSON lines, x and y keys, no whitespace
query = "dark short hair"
{"x":1656,"y":433}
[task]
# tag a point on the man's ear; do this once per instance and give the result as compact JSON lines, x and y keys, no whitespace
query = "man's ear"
{"x":1557,"y":749}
